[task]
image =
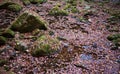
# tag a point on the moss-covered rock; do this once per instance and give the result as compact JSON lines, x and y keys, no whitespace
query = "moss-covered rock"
{"x":26,"y":2}
{"x":8,"y":33}
{"x":72,"y":2}
{"x":2,"y":62}
{"x":1,"y":31}
{"x":36,"y":32}
{"x":113,"y":37}
{"x":37,"y":1}
{"x":71,"y":8}
{"x":5,"y":4}
{"x":74,"y":9}
{"x":45,"y":45}
{"x":117,"y":42}
{"x":11,"y":6}
{"x":21,"y":46}
{"x":3,"y":40}
{"x":15,"y":7}
{"x":28,"y":21}
{"x":56,"y":11}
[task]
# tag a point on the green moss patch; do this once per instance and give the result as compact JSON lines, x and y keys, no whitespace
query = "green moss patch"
{"x":117,"y":42}
{"x":71,"y":8}
{"x":2,"y":62}
{"x":113,"y":37}
{"x":8,"y":33}
{"x":11,"y":6}
{"x":56,"y":11}
{"x":3,"y":40}
{"x":14,"y":7}
{"x":37,"y":1}
{"x":26,"y":2}
{"x":72,"y":2}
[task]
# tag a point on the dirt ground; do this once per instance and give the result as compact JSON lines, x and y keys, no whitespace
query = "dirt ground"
{"x":85,"y":48}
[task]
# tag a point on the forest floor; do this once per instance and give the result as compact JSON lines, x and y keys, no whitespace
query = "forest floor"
{"x":85,"y":48}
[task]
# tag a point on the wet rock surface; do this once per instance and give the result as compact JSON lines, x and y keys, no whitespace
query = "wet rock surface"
{"x":84,"y":48}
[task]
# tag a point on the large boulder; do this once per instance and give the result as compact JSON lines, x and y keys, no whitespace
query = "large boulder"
{"x":28,"y":21}
{"x":45,"y":45}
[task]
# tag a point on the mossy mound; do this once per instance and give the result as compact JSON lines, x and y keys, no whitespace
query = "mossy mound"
{"x":45,"y":45}
{"x":56,"y":11}
{"x":117,"y":42}
{"x":1,"y":31}
{"x":8,"y":33}
{"x":14,"y":7}
{"x":26,"y":2}
{"x":2,"y":62}
{"x":71,"y":8}
{"x":28,"y":21}
{"x":21,"y":46}
{"x":5,"y":34}
{"x":37,"y":1}
{"x":3,"y":40}
{"x":11,"y":6}
{"x":72,"y":2}
{"x":113,"y":37}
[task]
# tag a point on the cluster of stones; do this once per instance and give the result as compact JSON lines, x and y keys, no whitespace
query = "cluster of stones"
{"x":29,"y":21}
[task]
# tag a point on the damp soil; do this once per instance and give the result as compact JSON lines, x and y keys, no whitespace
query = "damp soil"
{"x":85,"y":48}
